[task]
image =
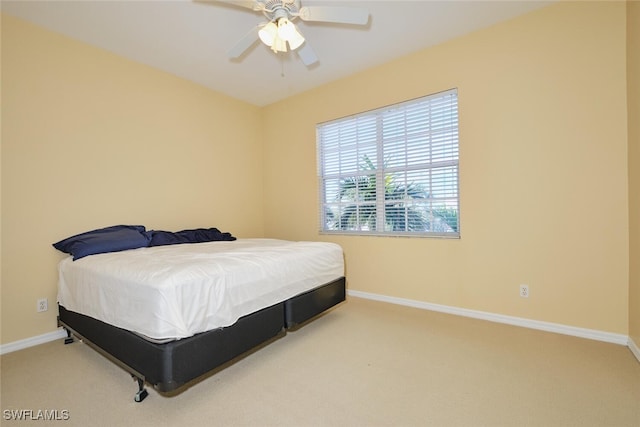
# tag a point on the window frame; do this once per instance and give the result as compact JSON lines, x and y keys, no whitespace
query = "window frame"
{"x":382,"y":172}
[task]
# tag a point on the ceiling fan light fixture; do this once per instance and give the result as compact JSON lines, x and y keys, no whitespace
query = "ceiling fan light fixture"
{"x":277,"y":35}
{"x":286,"y":29}
{"x":279,"y":45}
{"x":295,"y":39}
{"x":268,"y":34}
{"x":296,"y":43}
{"x":280,"y":34}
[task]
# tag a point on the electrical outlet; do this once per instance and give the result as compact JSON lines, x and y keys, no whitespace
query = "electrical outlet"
{"x":43,"y":305}
{"x":524,"y":291}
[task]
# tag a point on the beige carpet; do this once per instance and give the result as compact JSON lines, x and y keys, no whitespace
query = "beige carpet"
{"x":364,"y":363}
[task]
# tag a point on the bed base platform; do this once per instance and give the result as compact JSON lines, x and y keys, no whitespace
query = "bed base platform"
{"x":303,"y":307}
{"x":168,"y":367}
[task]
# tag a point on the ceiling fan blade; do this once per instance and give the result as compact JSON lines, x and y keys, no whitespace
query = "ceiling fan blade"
{"x":342,"y":15}
{"x":244,"y":43}
{"x":249,"y":4}
{"x":306,"y":54}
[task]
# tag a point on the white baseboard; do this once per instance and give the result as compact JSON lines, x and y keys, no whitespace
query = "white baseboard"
{"x":30,"y":342}
{"x":634,"y":348}
{"x":501,"y":318}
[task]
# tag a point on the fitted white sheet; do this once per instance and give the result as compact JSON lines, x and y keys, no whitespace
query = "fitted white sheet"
{"x":176,"y":291}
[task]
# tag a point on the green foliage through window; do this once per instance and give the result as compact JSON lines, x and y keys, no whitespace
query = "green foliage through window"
{"x":392,"y":171}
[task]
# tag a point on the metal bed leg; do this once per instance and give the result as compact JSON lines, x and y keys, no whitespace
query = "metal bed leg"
{"x":69,"y":339}
{"x":142,"y":392}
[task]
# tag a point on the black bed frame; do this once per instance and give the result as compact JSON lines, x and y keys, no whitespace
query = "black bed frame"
{"x":170,"y":366}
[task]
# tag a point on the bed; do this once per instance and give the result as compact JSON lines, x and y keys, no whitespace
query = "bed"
{"x":171,"y":313}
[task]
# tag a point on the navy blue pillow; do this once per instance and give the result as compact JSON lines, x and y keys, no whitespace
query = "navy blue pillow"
{"x":198,"y":235}
{"x":109,"y":239}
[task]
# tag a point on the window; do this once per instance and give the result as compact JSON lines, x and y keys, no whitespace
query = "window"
{"x":392,"y":171}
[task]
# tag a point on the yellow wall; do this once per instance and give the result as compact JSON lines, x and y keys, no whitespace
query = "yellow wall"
{"x":543,"y":161}
{"x":89,"y":140}
{"x":548,"y":182}
{"x":633,"y":99}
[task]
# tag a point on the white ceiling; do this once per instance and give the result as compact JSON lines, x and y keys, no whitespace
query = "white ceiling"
{"x":191,"y":39}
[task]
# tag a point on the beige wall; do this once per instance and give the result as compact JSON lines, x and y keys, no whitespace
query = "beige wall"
{"x":544,"y":189}
{"x":548,"y":182}
{"x":633,"y":100}
{"x":90,"y":139}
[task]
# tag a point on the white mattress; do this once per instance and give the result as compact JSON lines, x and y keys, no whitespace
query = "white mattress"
{"x":168,"y":292}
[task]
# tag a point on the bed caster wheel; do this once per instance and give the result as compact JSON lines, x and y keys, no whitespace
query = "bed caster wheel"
{"x":141,"y":395}
{"x":142,"y":392}
{"x":69,"y":339}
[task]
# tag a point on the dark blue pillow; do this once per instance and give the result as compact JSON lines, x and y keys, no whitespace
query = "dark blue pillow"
{"x":109,"y":239}
{"x":198,"y":235}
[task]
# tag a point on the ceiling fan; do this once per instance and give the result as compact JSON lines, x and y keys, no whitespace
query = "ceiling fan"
{"x":280,"y":31}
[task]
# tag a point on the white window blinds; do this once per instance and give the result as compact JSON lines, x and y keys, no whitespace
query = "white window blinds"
{"x":392,"y":171}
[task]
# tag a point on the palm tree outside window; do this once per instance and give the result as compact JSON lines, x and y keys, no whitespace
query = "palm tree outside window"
{"x":392,"y":171}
